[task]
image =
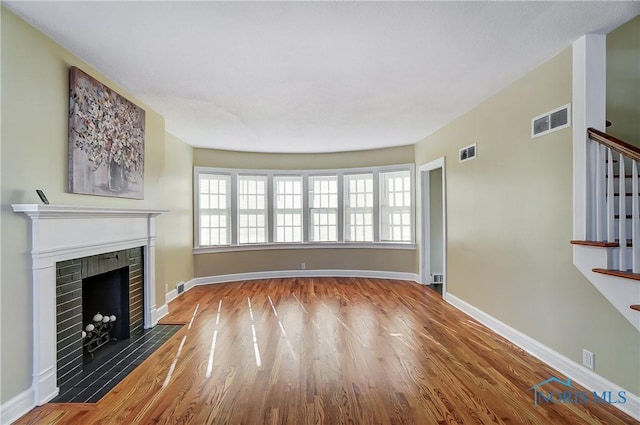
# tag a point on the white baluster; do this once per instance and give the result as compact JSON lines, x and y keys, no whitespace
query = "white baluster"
{"x":600,"y":184}
{"x":622,"y":211}
{"x":635,"y":216}
{"x":611,"y":237}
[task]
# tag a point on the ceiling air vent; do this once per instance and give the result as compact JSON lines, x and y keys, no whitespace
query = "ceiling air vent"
{"x":551,"y":121}
{"x":468,"y":153}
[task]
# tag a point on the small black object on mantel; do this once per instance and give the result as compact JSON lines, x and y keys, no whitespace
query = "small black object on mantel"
{"x":42,"y":197}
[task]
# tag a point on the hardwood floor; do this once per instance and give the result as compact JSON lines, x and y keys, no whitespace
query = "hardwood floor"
{"x":329,"y":351}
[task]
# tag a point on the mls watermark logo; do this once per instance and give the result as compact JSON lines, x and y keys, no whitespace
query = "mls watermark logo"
{"x":570,"y":395}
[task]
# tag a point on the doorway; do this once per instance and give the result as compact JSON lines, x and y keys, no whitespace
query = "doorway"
{"x":433,"y":252}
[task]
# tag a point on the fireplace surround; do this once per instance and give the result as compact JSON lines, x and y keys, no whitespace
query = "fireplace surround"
{"x":108,"y":283}
{"x":60,"y":233}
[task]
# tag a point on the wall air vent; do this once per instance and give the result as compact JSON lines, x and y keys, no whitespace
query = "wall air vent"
{"x":551,"y":121}
{"x":468,"y":153}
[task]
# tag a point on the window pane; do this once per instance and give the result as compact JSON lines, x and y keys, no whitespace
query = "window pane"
{"x":213,"y":209}
{"x":323,"y":203}
{"x":204,"y":237}
{"x":204,"y":202}
{"x":252,"y":209}
{"x":288,"y":208}
{"x":204,"y":184}
{"x":358,"y":209}
{"x":395,"y":206}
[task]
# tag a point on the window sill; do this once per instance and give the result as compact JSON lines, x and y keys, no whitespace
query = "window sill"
{"x":333,"y":245}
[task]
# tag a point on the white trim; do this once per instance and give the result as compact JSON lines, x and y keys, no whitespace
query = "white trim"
{"x":278,"y":274}
{"x":424,"y":231}
{"x":578,"y":373}
{"x":189,"y":284}
{"x":171,"y":295}
{"x":309,"y":172}
{"x":17,"y":407}
{"x":620,"y":292}
{"x":316,"y":245}
{"x":74,"y":211}
{"x":158,"y":313}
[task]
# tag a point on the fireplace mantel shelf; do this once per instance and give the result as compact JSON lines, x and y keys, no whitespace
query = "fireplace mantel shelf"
{"x":54,"y":211}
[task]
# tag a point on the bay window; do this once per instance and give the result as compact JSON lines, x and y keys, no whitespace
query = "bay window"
{"x":361,"y":207}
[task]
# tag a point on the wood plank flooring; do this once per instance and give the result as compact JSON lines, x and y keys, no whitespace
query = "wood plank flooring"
{"x":328,"y":351}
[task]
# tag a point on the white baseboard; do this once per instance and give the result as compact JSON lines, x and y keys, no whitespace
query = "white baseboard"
{"x":189,"y":284}
{"x":16,"y":407}
{"x":171,"y":295}
{"x":159,"y":313}
{"x":303,"y":273}
{"x":578,"y":373}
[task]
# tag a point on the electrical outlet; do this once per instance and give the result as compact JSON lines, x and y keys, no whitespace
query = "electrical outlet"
{"x":303,"y":266}
{"x":588,"y":359}
{"x":166,"y":288}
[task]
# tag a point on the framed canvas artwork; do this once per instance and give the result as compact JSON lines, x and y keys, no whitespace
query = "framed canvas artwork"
{"x":106,"y":140}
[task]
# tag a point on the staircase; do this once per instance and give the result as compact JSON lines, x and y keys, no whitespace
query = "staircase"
{"x":614,"y":216}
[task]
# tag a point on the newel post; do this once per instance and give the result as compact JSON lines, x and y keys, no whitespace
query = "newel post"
{"x":589,"y":110}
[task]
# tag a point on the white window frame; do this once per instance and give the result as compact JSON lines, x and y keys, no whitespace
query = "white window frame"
{"x":266,"y":209}
{"x":305,"y":174}
{"x":386,"y":207}
{"x":285,"y":210}
{"x":230,"y":216}
{"x":360,"y":209}
{"x":338,"y":208}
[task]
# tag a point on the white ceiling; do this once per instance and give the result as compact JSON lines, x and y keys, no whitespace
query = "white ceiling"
{"x":316,"y":76}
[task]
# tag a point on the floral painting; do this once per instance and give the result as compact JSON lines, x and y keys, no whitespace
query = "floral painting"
{"x":106,"y":140}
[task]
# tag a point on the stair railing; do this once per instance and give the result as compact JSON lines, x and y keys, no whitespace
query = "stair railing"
{"x":610,"y":150}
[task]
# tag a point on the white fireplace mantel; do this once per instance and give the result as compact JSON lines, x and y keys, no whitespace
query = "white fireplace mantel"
{"x":65,"y":232}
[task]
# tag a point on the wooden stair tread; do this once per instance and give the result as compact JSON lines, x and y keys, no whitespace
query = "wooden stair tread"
{"x":635,"y":307}
{"x":601,"y":244}
{"x":596,"y":243}
{"x":618,"y":273}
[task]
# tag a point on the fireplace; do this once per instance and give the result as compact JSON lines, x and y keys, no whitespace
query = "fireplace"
{"x":109,"y":284}
{"x":61,"y":233}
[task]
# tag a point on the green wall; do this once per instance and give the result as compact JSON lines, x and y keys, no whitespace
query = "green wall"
{"x":221,"y":263}
{"x":35,"y":108}
{"x":623,"y":81}
{"x":509,"y":223}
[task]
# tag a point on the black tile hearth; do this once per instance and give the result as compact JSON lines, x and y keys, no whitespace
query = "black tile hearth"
{"x":111,"y":364}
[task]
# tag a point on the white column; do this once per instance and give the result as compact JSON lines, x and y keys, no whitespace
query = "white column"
{"x":150,"y":276}
{"x":589,"y":109}
{"x":44,"y":382}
